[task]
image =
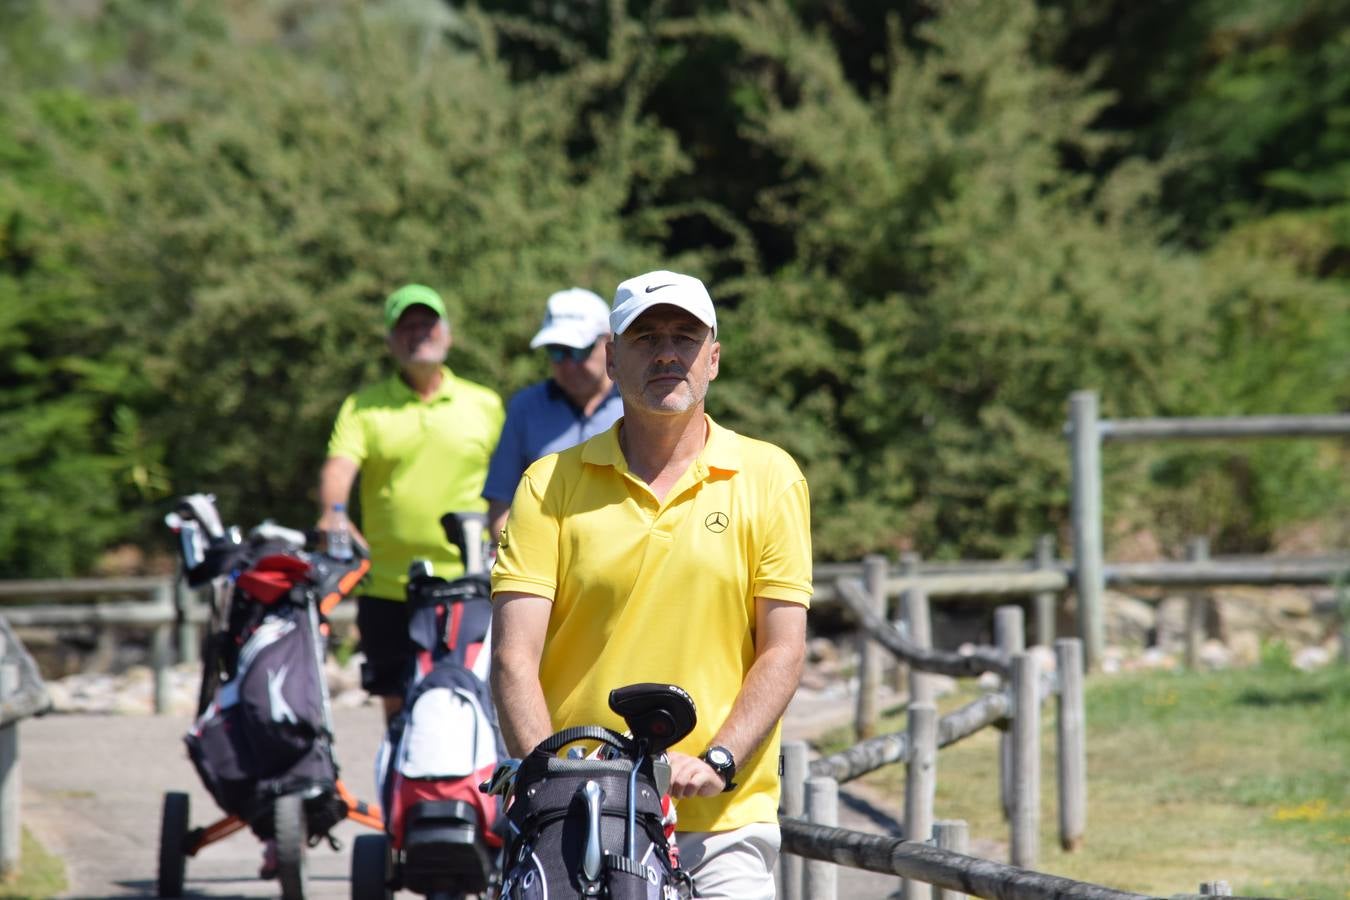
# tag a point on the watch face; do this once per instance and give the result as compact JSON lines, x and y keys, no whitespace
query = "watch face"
{"x":719,"y":757}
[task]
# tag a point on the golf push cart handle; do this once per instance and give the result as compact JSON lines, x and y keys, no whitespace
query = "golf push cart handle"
{"x":659,"y":715}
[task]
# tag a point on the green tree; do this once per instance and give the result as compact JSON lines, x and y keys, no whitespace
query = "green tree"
{"x":956,"y":275}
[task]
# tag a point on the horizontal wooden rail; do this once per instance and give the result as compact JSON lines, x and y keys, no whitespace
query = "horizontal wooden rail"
{"x":981,"y":583}
{"x":942,"y":662}
{"x":1224,"y":427}
{"x":143,"y":615}
{"x":1218,"y":572}
{"x":83,"y":587}
{"x":995,"y":583}
{"x":929,"y":864}
{"x":882,"y":750}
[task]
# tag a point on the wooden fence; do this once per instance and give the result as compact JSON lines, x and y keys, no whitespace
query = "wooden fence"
{"x":22,"y":694}
{"x":1087,"y":432}
{"x":166,"y":607}
{"x":929,"y":856}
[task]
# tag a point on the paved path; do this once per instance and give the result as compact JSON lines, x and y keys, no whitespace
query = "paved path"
{"x":93,"y":788}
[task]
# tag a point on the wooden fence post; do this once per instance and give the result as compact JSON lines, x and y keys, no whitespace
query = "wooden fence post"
{"x":160,"y":642}
{"x":1197,"y":551}
{"x":1046,"y":601}
{"x":820,"y":879}
{"x":793,"y":803}
{"x":1010,"y":638}
{"x":1086,"y":515}
{"x":1026,"y":742}
{"x":1071,"y":744}
{"x":953,"y":835}
{"x":1216,"y":888}
{"x":920,"y":787}
{"x":909,"y":567}
{"x":10,"y":785}
{"x":921,"y":688}
{"x":869,"y":655}
{"x":185,"y":604}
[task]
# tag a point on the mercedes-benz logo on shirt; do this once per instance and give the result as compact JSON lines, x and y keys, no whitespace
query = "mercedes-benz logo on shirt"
{"x":716,"y":522}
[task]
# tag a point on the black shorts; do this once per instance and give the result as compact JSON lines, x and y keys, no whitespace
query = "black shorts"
{"x":384,"y":641}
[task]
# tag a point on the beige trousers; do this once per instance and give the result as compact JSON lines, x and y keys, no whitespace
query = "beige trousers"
{"x":732,"y":865}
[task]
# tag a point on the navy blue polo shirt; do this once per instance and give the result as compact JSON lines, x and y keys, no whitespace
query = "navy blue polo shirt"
{"x":541,"y":419}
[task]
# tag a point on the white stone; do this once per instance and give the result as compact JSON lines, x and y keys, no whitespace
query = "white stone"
{"x":1214,"y":654}
{"x":1309,"y":658}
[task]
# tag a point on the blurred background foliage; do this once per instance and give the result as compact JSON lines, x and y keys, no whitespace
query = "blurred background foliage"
{"x":925,"y":224}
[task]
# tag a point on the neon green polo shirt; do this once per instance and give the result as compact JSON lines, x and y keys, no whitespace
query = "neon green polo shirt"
{"x":419,"y":460}
{"x":663,"y":591}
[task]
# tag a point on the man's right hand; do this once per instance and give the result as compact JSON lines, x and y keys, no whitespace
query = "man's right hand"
{"x":335,"y":486}
{"x":692,"y":777}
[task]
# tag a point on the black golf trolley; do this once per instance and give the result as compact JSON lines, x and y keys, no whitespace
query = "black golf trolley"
{"x":595,"y":825}
{"x":262,"y":740}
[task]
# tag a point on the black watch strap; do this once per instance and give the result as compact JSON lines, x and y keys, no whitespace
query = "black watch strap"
{"x":722,"y":762}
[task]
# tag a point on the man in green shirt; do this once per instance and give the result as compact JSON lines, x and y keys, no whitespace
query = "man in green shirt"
{"x":421,"y":440}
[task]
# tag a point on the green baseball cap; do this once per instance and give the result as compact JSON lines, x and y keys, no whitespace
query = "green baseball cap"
{"x":411,"y":295}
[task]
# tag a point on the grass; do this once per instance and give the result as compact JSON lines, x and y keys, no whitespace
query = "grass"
{"x":40,"y":874}
{"x":1240,"y":776}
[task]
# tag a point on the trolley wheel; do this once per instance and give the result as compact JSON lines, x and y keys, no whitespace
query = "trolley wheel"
{"x":292,"y":839}
{"x":370,"y":868}
{"x":173,"y":837}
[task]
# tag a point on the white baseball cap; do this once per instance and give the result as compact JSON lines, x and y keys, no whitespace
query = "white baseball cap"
{"x":575,"y":317}
{"x":637,"y":295}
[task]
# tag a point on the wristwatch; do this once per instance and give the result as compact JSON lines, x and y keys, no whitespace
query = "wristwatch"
{"x":720,"y":760}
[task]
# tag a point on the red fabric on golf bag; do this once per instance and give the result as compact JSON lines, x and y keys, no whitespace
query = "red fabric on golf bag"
{"x":442,"y":746}
{"x":445,"y":741}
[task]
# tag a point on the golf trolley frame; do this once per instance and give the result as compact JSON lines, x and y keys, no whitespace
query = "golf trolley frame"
{"x":198,"y":527}
{"x":460,"y":863}
{"x":658,"y":716}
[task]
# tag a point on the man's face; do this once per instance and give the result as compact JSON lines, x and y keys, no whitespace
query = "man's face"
{"x":581,"y":379}
{"x":419,"y":337}
{"x":665,"y":361}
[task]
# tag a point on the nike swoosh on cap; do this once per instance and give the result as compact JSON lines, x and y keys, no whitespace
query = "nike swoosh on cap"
{"x":657,"y":287}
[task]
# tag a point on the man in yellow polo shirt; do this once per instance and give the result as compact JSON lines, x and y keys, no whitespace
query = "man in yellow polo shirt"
{"x":666,"y":549}
{"x":421,"y":440}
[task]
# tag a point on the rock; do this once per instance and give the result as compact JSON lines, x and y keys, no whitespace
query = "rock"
{"x":342,"y":678}
{"x":1171,"y":624}
{"x":942,"y":685}
{"x":1154,"y":658}
{"x":1128,"y":622}
{"x":1214,"y":654}
{"x":350,"y":699}
{"x":822,"y":651}
{"x":1245,"y":647}
{"x":1271,"y":614}
{"x":1309,"y":658}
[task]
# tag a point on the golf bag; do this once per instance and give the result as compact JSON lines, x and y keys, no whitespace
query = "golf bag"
{"x":569,"y":828}
{"x":266,"y":731}
{"x":444,"y":742}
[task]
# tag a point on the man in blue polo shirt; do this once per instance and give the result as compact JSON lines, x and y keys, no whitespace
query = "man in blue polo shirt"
{"x":578,"y":402}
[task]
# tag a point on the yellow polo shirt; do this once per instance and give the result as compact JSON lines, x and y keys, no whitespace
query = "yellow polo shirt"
{"x":419,"y":460}
{"x":661,"y":591}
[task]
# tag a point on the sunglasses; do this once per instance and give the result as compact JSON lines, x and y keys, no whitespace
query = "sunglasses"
{"x":558,"y":353}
